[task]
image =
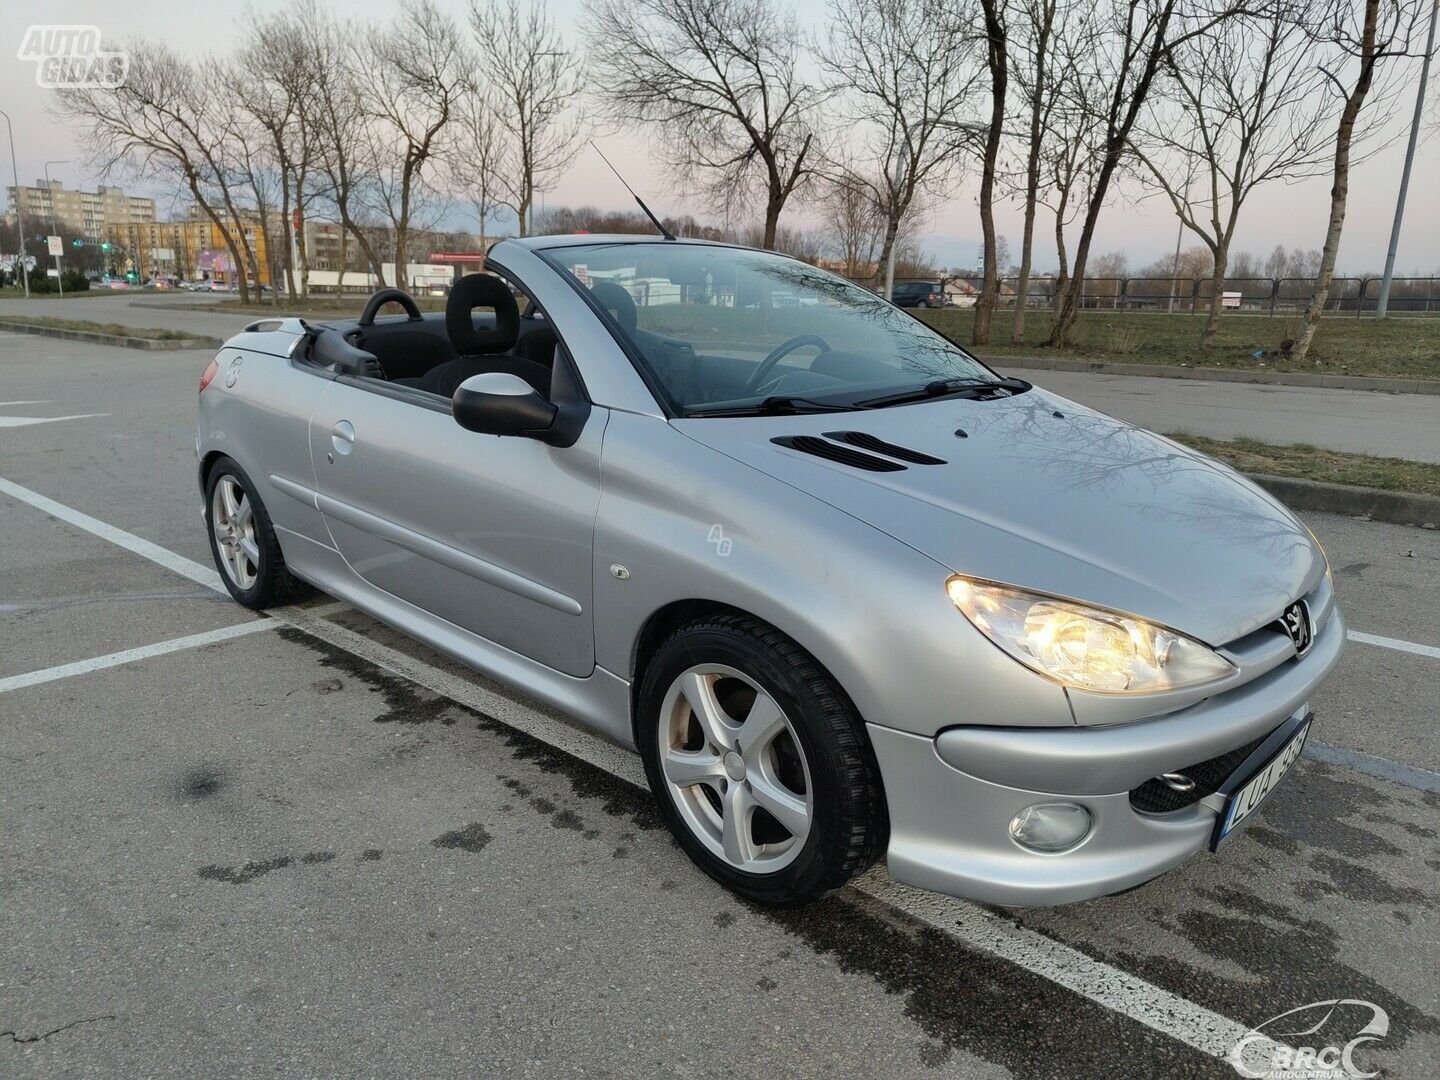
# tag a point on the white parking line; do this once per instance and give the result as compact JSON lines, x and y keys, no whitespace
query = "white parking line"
{"x":1394,"y":643}
{"x":188,"y":568}
{"x":271,"y":621}
{"x":31,"y":421}
{"x":128,"y":656}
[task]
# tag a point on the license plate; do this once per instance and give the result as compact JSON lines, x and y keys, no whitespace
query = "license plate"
{"x":1247,"y":799}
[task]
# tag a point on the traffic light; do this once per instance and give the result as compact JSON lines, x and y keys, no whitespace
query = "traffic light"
{"x":105,"y":245}
{"x":77,"y":242}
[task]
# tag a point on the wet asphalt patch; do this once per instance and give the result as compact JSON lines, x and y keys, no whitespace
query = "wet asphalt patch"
{"x":472,"y":838}
{"x":202,"y":782}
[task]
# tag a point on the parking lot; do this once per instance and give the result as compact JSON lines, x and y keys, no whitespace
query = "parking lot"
{"x":308,"y":845}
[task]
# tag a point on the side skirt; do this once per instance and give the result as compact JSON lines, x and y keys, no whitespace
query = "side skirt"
{"x":600,"y":700}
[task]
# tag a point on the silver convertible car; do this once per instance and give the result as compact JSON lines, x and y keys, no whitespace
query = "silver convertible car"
{"x":848,"y":591}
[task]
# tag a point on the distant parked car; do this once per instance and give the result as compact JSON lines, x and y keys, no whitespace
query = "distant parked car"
{"x":917,"y":294}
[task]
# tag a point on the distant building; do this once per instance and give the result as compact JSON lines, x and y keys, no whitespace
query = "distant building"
{"x":183,"y":249}
{"x":89,"y":213}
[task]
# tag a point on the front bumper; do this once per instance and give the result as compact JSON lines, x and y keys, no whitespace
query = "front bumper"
{"x":951,"y":798}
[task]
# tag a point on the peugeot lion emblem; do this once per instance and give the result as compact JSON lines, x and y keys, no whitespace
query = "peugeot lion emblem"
{"x":1296,"y":621}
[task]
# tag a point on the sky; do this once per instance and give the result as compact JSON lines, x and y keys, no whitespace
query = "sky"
{"x":1293,"y":215}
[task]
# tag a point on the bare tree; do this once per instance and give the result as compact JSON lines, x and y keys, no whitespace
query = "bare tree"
{"x":1384,"y":32}
{"x":853,"y":223}
{"x":1039,"y":75}
{"x":721,"y":81}
{"x":474,"y":158}
{"x":344,"y":149}
{"x":256,"y":172}
{"x":161,"y":123}
{"x":1069,"y":157}
{"x":903,"y":77}
{"x":415,"y":75}
{"x":1239,"y":107}
{"x":274,"y":78}
{"x":1139,"y":37}
{"x":536,"y":78}
{"x":997,"y":61}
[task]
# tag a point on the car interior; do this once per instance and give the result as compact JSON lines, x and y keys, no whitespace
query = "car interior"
{"x":482,"y":330}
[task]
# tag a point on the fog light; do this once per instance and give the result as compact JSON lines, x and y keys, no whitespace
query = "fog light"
{"x":1050,"y":827}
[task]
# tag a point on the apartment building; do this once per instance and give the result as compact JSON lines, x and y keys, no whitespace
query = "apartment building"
{"x":50,"y":204}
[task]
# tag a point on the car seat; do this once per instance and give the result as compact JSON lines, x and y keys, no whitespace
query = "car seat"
{"x":481,"y":350}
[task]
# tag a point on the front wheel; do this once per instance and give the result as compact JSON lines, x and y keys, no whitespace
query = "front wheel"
{"x":759,"y":762}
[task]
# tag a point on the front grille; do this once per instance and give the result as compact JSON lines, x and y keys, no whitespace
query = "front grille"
{"x":1157,"y":797}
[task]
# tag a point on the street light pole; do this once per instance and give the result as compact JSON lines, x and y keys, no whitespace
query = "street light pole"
{"x":50,"y":194}
{"x":1383,"y":303}
{"x":19,"y":214}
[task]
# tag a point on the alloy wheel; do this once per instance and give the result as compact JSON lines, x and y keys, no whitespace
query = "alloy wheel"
{"x":232,"y":517}
{"x":735,"y":768}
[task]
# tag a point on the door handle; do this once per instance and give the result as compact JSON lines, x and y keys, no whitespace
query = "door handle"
{"x":342,"y":436}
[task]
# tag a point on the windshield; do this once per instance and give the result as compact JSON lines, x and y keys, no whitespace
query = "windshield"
{"x":731,"y":330}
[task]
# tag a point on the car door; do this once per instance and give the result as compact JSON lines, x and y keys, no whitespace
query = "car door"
{"x":493,"y":534}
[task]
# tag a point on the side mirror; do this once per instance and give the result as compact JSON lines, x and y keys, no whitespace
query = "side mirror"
{"x":497,"y":403}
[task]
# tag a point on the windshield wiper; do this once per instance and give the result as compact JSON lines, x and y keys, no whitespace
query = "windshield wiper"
{"x":778,"y":405}
{"x":949,"y":388}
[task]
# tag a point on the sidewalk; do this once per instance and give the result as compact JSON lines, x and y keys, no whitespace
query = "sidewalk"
{"x":1362,"y":422}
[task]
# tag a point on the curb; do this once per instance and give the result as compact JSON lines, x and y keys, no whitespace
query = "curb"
{"x":150,"y":344}
{"x":1217,"y":374}
{"x":1397,"y":507}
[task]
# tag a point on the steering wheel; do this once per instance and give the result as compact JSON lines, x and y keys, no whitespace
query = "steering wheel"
{"x":784,"y":349}
{"x":389,"y":296}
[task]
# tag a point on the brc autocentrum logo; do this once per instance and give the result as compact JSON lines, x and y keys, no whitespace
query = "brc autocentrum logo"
{"x":70,"y":57}
{"x":1312,"y":1042}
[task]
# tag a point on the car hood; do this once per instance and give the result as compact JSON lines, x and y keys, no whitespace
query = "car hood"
{"x":1044,"y":494}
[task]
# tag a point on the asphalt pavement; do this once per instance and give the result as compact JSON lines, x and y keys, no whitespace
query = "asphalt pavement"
{"x":309,"y":846}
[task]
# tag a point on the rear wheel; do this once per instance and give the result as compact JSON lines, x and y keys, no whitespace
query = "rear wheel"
{"x":759,"y":762}
{"x":242,"y":540}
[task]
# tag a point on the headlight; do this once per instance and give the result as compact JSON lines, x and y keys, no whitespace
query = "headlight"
{"x":1329,"y":576}
{"x":1085,"y":647}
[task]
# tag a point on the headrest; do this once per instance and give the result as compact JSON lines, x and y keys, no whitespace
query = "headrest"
{"x":481,"y":290}
{"x":617,"y":300}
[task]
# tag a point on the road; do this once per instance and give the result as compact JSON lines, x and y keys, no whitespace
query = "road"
{"x":1358,"y":421}
{"x":1364,"y":422}
{"x":310,"y":846}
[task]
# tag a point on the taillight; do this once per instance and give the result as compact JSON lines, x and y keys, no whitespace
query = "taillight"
{"x":211,"y":370}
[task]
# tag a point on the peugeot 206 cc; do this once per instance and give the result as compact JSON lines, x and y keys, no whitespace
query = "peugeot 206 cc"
{"x":848,"y":592}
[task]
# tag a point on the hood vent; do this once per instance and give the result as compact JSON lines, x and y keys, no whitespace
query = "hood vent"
{"x":866,"y":441}
{"x":836,"y":452}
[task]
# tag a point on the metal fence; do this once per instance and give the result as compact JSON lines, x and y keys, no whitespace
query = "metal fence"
{"x":1265,"y":296}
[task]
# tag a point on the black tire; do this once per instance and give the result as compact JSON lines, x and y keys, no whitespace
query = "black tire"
{"x":274,"y":585}
{"x":923,"y":304}
{"x":850,"y":826}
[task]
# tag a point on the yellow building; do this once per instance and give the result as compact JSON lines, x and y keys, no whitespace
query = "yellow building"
{"x":192,"y":250}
